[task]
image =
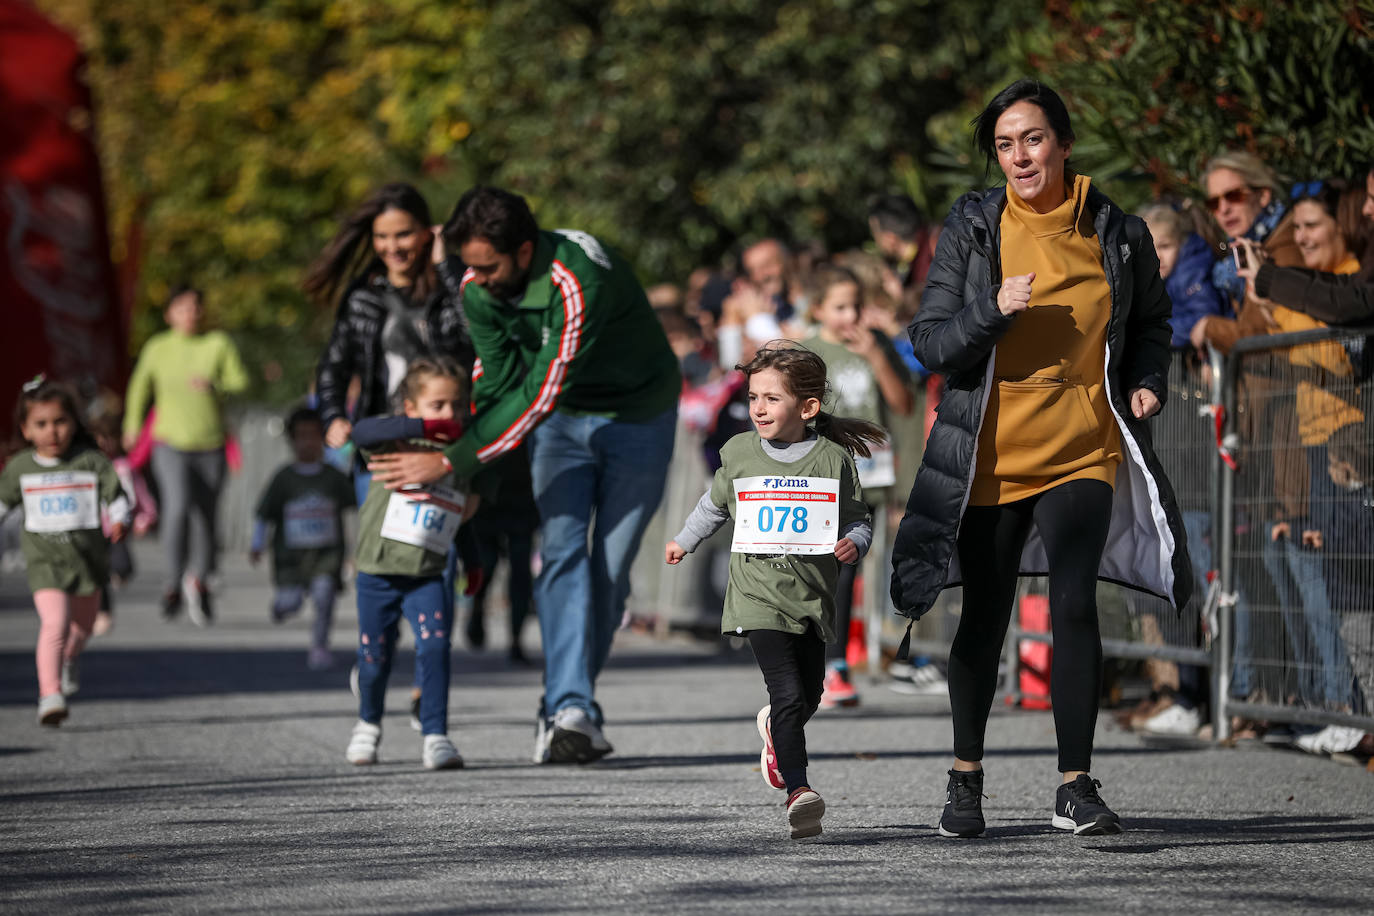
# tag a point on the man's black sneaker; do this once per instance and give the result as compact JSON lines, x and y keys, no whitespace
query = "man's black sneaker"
{"x":1079,"y":808}
{"x":963,"y":814}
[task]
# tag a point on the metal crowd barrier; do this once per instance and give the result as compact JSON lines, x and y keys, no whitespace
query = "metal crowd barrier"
{"x":1296,"y":531}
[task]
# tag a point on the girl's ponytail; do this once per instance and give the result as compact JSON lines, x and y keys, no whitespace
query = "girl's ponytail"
{"x":854,"y":435}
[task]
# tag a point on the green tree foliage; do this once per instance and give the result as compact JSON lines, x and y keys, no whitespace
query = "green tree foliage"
{"x":1166,"y":85}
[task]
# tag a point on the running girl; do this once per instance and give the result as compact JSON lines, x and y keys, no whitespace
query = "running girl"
{"x":793,"y":491}
{"x":403,"y":543}
{"x":870,"y":383}
{"x":62,"y":481}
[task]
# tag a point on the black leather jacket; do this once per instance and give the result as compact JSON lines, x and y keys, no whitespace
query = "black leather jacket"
{"x":355,"y":343}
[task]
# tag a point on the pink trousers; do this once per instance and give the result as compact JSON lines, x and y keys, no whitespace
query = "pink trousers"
{"x":64,"y":625}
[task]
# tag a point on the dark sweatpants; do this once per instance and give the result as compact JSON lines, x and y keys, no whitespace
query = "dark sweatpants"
{"x":793,"y":668}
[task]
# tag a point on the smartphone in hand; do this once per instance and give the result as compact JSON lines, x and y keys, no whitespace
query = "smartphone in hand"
{"x":1241,"y":260}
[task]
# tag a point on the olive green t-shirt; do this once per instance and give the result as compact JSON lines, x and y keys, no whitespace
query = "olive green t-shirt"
{"x":402,"y":536}
{"x":306,"y":514}
{"x":784,"y":592}
{"x":63,"y":542}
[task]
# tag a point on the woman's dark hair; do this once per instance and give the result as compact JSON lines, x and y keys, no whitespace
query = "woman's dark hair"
{"x":499,"y":216}
{"x":804,"y":374}
{"x":350,"y":251}
{"x":1023,"y":90}
{"x":42,"y":390}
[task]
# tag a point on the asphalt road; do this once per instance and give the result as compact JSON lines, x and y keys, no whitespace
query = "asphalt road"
{"x":203,"y":771}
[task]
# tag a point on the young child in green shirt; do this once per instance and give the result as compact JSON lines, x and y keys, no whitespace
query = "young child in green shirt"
{"x":303,"y":509}
{"x":403,"y":542}
{"x":793,"y":491}
{"x":62,"y":481}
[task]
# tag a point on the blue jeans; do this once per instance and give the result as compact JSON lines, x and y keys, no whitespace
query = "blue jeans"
{"x":597,"y":482}
{"x":362,"y":480}
{"x":382,"y":601}
{"x":1314,"y":631}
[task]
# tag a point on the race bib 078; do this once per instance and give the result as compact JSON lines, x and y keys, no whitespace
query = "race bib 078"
{"x":429,"y":522}
{"x":60,"y":501}
{"x":786,"y":515}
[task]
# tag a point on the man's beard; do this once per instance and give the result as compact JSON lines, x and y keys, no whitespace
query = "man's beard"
{"x":514,"y":290}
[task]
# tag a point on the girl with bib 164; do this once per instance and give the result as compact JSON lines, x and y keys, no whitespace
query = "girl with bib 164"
{"x":792,"y":489}
{"x":404,"y":537}
{"x":61,"y":481}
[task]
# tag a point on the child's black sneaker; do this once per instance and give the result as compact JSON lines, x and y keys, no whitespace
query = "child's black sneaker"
{"x":963,"y":814}
{"x":1079,"y":808}
{"x":805,"y":808}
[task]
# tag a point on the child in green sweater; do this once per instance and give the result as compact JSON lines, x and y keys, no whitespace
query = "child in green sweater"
{"x":303,"y":509}
{"x":62,"y":482}
{"x":793,"y":491}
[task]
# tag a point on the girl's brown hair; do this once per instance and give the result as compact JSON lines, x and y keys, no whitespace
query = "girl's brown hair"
{"x":823,"y":278}
{"x":43,"y":390}
{"x":803,"y":373}
{"x":422,"y":370}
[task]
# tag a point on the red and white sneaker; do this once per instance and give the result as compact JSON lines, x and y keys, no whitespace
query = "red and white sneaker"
{"x":768,"y":760}
{"x":838,"y":690}
{"x":805,"y":808}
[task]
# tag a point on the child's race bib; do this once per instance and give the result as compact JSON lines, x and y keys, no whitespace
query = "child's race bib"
{"x":60,"y":501}
{"x":879,"y":469}
{"x":429,"y":523}
{"x":309,"y":522}
{"x":786,"y":515}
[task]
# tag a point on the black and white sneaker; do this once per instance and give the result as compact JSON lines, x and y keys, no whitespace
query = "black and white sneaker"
{"x":963,"y":814}
{"x":1079,"y":808}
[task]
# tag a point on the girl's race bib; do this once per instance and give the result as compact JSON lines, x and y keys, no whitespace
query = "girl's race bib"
{"x":60,"y":501}
{"x":309,"y":522}
{"x":877,"y":470}
{"x":786,"y":515}
{"x":429,"y":522}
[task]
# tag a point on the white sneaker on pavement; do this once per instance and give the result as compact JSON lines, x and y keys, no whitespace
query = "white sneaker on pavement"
{"x":922,"y":680}
{"x":71,"y":677}
{"x":438,"y":753}
{"x":1174,"y":721}
{"x":362,"y":744}
{"x":1334,"y":739}
{"x":52,"y":709}
{"x":575,"y":738}
{"x":542,"y":735}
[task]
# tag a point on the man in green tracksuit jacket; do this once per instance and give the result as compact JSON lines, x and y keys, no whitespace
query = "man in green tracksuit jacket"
{"x":571,"y":359}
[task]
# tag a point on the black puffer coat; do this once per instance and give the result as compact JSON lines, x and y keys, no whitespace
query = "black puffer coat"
{"x":355,"y":343}
{"x":955,"y":333}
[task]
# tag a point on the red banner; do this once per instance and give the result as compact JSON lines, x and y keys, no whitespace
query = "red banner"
{"x":57,"y":287}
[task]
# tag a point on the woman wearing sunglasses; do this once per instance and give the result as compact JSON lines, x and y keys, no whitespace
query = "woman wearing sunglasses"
{"x":1243,"y":196}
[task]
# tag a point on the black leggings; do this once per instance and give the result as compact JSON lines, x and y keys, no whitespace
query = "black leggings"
{"x":844,"y":607}
{"x":793,"y":667}
{"x":1072,"y":519}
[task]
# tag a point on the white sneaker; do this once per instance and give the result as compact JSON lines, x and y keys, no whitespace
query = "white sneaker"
{"x":1175,"y":721}
{"x":575,"y":738}
{"x":542,"y":735}
{"x":71,"y":677}
{"x":362,"y":745}
{"x":197,"y":598}
{"x":1334,"y":739}
{"x":52,"y":709}
{"x":925,"y":680}
{"x":440,"y":754}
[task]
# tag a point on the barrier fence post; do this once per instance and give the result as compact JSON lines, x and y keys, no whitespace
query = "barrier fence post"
{"x":1223,"y":536}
